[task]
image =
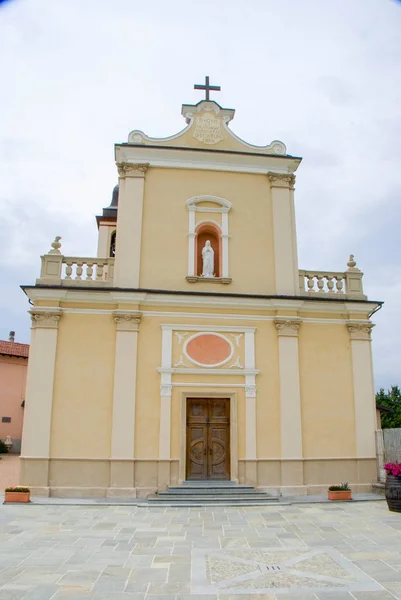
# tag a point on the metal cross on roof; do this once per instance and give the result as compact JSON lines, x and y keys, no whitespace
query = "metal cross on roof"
{"x":207,"y":87}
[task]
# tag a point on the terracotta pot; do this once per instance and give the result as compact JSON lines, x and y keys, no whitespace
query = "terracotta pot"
{"x":17,"y":497}
{"x":393,"y":493}
{"x":340,"y":495}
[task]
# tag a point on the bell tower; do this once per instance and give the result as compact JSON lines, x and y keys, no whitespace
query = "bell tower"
{"x":107,"y":226}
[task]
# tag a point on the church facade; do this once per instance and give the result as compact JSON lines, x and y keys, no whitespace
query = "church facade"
{"x":193,"y":347}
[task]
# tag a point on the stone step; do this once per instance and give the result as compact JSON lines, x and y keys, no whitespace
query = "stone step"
{"x":207,"y":498}
{"x":207,"y":482}
{"x":209,"y":504}
{"x":211,"y":490}
{"x":211,"y":493}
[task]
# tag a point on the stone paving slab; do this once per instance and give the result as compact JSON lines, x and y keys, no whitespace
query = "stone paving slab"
{"x":347,"y":551}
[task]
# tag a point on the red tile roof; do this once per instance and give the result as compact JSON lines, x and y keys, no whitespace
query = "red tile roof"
{"x":14,"y":349}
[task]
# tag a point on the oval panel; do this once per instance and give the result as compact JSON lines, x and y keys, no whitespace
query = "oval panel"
{"x":208,"y":349}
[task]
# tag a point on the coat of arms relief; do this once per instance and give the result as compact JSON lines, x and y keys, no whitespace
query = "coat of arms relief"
{"x":208,"y":129}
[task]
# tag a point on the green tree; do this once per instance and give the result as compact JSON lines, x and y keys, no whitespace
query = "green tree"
{"x":392,"y":400}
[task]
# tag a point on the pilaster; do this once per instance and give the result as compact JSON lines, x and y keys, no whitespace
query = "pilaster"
{"x":124,"y":400}
{"x":364,"y":394}
{"x":250,"y":411}
{"x":129,"y":224}
{"x":290,"y":397}
{"x":39,"y":394}
{"x":285,"y":243}
{"x":165,"y":396}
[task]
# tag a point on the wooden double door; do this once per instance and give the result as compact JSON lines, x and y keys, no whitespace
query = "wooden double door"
{"x":208,"y":438}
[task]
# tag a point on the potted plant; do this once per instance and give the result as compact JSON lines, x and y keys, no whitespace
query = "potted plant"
{"x":393,"y":486}
{"x":340,"y":492}
{"x":17,"y":494}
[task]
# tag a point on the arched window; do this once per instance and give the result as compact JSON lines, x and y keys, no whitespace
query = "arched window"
{"x":112,"y":250}
{"x":205,"y":232}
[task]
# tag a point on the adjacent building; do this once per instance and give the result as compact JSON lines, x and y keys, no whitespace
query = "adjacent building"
{"x":13,"y":369}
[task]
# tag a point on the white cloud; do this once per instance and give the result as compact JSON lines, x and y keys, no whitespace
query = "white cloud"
{"x":323,"y":77}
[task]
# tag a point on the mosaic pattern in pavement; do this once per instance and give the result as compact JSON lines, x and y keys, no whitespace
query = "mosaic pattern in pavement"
{"x":275,"y":570}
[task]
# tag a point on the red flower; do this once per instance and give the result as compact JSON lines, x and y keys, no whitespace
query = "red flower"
{"x":393,"y":469}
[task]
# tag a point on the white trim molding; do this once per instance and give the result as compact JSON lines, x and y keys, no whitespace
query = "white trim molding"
{"x":223,"y":208}
{"x":248,"y":374}
{"x":227,"y":329}
{"x":167,"y":371}
{"x":225,"y":204}
{"x":210,"y":371}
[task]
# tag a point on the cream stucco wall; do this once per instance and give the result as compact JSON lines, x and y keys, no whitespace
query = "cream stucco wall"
{"x":83,"y":390}
{"x":268,"y":397}
{"x":328,"y":421}
{"x":82,"y":407}
{"x":83,"y":387}
{"x":164,"y":251}
{"x":148,"y":389}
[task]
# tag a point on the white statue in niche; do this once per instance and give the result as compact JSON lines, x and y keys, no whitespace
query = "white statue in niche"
{"x":208,"y":260}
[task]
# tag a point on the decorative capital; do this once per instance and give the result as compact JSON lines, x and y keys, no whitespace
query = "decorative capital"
{"x":127,"y":321}
{"x":166,"y":390}
{"x":250,"y":391}
{"x":46,"y":319}
{"x":281,"y":180}
{"x":126,"y":169}
{"x":360,"y":331}
{"x":287,"y":327}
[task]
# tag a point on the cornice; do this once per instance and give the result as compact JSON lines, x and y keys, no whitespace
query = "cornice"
{"x":219,"y":300}
{"x":206,"y":159}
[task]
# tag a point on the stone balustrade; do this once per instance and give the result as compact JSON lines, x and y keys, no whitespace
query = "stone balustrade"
{"x":57,"y":269}
{"x":346,"y":284}
{"x":87,"y":269}
{"x":72,"y":270}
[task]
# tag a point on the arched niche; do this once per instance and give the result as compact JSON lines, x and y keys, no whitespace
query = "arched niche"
{"x":208,"y":231}
{"x":216,"y":231}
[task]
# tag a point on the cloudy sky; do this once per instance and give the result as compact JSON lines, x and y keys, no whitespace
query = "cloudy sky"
{"x":323,"y":77}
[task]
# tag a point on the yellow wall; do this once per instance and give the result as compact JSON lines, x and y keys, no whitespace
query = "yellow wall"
{"x":148,"y":389}
{"x":164,"y":257}
{"x":268,"y":394}
{"x":83,"y":392}
{"x":83,"y":388}
{"x":328,"y":420}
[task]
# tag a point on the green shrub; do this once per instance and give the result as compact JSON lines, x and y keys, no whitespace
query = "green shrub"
{"x":3,"y":448}
{"x":17,"y":489}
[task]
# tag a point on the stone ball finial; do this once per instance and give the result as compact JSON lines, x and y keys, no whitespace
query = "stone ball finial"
{"x":56,"y":245}
{"x":351,"y":264}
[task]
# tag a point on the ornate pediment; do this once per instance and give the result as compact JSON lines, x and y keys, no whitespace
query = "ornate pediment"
{"x":207,"y":126}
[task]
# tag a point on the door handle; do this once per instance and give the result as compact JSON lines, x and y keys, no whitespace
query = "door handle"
{"x":210,"y":450}
{"x":205,"y":451}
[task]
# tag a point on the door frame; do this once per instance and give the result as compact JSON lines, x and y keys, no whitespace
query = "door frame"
{"x":232,"y":396}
